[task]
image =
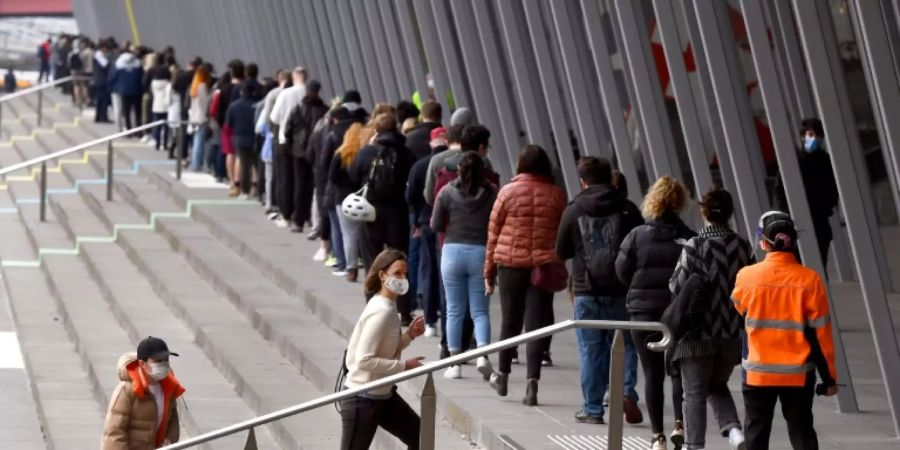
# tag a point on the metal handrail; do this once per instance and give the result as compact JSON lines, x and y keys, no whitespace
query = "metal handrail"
{"x":39,"y":88}
{"x":615,"y":424}
{"x":42,"y":160}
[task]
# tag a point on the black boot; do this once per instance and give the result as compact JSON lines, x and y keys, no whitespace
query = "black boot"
{"x":499,"y":382}
{"x":531,"y":393}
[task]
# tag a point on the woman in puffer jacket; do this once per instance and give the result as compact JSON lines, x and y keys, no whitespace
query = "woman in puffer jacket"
{"x":521,"y":236}
{"x":647,"y":258}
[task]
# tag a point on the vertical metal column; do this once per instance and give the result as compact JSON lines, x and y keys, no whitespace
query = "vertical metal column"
{"x":783,"y":136}
{"x":833,"y":102}
{"x":648,"y":95}
{"x":588,"y":126}
{"x":437,"y":67}
{"x":884,"y":91}
{"x":323,"y":29}
{"x":681,"y":87}
{"x":413,"y":57}
{"x":616,"y":391}
{"x":428,"y":408}
{"x":373,"y":23}
{"x":370,"y":61}
{"x":363,"y":83}
{"x":396,"y":49}
{"x":499,"y":82}
{"x":345,"y":69}
{"x":40,"y":107}
{"x":550,"y":85}
{"x":109,"y":171}
{"x":452,"y":59}
{"x":612,"y":101}
{"x":523,"y":69}
{"x":179,"y":138}
{"x":318,"y":67}
{"x":1,"y":119}
{"x":476,"y":69}
{"x":749,"y":182}
{"x":788,"y":45}
{"x":43,"y":210}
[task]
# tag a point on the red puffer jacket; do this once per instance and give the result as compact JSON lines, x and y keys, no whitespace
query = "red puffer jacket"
{"x":523,"y":226}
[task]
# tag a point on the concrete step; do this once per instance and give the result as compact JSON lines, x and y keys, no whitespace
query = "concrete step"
{"x":265,"y":379}
{"x":123,"y":297}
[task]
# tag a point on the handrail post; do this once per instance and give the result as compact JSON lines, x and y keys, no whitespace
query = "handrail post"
{"x":428,"y":409}
{"x":179,"y":138}
{"x":109,"y":171}
{"x":40,"y":108}
{"x":43,"y":192}
{"x":616,"y":391}
{"x":1,"y":118}
{"x":250,"y":444}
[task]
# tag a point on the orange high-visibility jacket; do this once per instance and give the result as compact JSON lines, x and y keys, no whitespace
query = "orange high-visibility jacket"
{"x":785,"y":309}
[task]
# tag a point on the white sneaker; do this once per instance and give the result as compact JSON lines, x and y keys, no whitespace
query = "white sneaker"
{"x":677,"y":436}
{"x":658,"y":442}
{"x":281,"y":223}
{"x":736,"y":439}
{"x":453,"y":372}
{"x":244,"y":197}
{"x":430,"y":331}
{"x":484,"y":367}
{"x":146,"y":139}
{"x":339,"y":273}
{"x":320,"y":255}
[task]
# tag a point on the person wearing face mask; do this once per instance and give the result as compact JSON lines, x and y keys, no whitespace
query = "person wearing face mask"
{"x":142,"y":414}
{"x":374,"y":353}
{"x":818,"y":180}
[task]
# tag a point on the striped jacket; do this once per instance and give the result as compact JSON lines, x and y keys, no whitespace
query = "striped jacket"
{"x":716,"y":254}
{"x":785,"y":309}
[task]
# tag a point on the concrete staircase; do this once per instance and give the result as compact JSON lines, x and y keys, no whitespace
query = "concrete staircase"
{"x":80,"y":310}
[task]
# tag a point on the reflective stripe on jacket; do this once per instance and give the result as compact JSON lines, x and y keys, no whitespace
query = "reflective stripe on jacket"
{"x":785,"y":309}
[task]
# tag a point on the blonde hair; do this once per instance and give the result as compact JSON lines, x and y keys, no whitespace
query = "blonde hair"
{"x":380,"y":109}
{"x":666,"y":195}
{"x":408,"y":125}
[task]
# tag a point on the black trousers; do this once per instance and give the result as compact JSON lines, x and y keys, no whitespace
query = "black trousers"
{"x":131,"y":110}
{"x":523,"y":305}
{"x":249,"y":160}
{"x":284,"y":181}
{"x":796,"y":406}
{"x":654,"y":366}
{"x":101,"y":114}
{"x":361,"y":417}
{"x":323,"y":206}
{"x":390,"y":230}
{"x":303,"y":191}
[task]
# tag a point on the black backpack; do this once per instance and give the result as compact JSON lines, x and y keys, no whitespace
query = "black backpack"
{"x":601,"y":238}
{"x":381,"y":186}
{"x":75,"y":63}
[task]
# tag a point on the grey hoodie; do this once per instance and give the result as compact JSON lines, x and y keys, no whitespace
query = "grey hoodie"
{"x":463,"y":217}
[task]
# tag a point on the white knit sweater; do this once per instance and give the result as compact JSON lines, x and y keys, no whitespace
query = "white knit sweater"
{"x":375,"y":346}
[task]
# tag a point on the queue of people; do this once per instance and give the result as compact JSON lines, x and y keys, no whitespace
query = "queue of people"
{"x":416,"y":210}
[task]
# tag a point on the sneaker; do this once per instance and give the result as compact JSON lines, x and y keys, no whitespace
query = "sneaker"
{"x":320,"y":255}
{"x":233,"y":191}
{"x":352,"y":275}
{"x":736,"y":439}
{"x":658,"y":442}
{"x":515,"y":360}
{"x":499,"y":381}
{"x":430,"y":331}
{"x":453,"y":372}
{"x":313,"y":235}
{"x":244,"y":197}
{"x":281,"y":223}
{"x":330,"y":261}
{"x":339,"y":272}
{"x":484,"y":367}
{"x":272,"y":215}
{"x":633,"y":414}
{"x":606,"y":400}
{"x":677,"y":436}
{"x":146,"y":139}
{"x":582,"y":417}
{"x":546,"y":361}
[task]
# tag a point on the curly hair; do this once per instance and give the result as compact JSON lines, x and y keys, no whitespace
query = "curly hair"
{"x":666,"y":195}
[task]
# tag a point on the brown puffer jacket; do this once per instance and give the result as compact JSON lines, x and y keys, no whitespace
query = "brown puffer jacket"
{"x":524,"y":221}
{"x":131,"y":418}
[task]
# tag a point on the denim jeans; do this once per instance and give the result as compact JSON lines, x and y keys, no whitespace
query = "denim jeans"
{"x":199,"y":148}
{"x":429,"y":276}
{"x":337,"y":239}
{"x":350,"y":232}
{"x":462,"y":269}
{"x":414,"y":257}
{"x":705,"y":379}
{"x":594,"y":350}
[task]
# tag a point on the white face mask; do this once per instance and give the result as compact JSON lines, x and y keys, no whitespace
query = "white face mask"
{"x":159,"y":370}
{"x":399,"y":286}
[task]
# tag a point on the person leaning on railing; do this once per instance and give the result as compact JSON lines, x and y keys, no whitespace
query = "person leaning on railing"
{"x":374,"y":353}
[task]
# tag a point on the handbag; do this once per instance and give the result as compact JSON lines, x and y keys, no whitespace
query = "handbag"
{"x":550,"y":277}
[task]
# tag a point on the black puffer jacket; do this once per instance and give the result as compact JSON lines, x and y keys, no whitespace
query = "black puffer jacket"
{"x":646,"y":260}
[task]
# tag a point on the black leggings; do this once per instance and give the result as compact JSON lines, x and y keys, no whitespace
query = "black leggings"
{"x":654,"y":365}
{"x":131,"y":111}
{"x":249,"y":159}
{"x":523,"y":305}
{"x":361,"y":417}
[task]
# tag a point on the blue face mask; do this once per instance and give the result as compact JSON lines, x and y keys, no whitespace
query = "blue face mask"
{"x":810,"y":144}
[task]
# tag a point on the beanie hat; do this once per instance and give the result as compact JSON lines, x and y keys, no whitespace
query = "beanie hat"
{"x":462,"y":116}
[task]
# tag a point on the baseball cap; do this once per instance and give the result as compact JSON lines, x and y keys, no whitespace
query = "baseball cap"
{"x":438,"y":133}
{"x":153,"y":347}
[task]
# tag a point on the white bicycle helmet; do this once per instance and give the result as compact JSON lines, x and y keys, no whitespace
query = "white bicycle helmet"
{"x":356,"y":207}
